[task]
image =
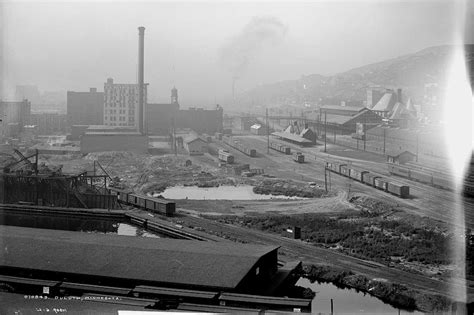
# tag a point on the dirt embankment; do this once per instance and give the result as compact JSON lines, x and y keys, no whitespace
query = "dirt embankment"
{"x":288,"y":188}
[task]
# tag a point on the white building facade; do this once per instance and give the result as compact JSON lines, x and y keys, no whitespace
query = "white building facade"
{"x":121,"y":104}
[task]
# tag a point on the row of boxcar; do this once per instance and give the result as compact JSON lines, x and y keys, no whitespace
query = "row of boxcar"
{"x":421,"y":175}
{"x":298,"y":157}
{"x":370,"y":179}
{"x":280,"y":148}
{"x":236,"y":144}
{"x":225,"y":156}
{"x":157,"y":205}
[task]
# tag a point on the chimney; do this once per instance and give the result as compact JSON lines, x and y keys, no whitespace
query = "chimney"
{"x":399,"y":95}
{"x":141,"y":44}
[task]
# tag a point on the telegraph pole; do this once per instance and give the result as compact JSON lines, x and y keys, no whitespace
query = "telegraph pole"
{"x":175,"y":147}
{"x":325,"y":126}
{"x":384,"y":130}
{"x":326,"y":178}
{"x":417,"y":143}
{"x":268,"y":131}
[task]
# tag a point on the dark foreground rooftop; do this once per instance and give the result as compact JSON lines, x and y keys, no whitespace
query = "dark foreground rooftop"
{"x":165,"y":261}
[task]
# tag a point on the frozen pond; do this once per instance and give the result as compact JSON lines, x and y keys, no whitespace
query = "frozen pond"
{"x":347,"y":301}
{"x":243,"y":192}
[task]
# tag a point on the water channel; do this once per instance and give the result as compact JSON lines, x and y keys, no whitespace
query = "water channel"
{"x":241,"y":192}
{"x":347,"y":301}
{"x":76,"y":224}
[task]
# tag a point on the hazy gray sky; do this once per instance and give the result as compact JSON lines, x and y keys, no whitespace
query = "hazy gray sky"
{"x":77,"y":45}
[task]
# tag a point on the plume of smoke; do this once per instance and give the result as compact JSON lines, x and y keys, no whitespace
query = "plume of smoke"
{"x":260,"y":32}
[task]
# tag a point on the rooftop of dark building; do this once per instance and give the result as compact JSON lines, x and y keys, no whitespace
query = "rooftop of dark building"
{"x":165,"y":261}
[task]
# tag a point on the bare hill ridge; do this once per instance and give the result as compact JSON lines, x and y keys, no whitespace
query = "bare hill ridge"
{"x":409,"y":72}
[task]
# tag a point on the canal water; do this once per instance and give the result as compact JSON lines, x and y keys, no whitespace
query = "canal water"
{"x":347,"y":301}
{"x":242,"y":192}
{"x":76,"y":224}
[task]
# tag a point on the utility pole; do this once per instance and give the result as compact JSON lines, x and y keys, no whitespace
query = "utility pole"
{"x":173,"y":130}
{"x":325,"y":126}
{"x":326,"y":178}
{"x":36,"y":161}
{"x":363,"y":130}
{"x":268,"y":131}
{"x":384,"y":130}
{"x":417,"y":142}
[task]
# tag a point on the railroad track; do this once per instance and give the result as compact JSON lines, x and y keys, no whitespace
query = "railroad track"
{"x":312,"y":254}
{"x":428,"y":201}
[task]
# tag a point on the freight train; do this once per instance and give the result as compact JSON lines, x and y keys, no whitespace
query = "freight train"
{"x":157,"y":205}
{"x":225,"y":156}
{"x":236,"y":144}
{"x":298,"y":157}
{"x":421,"y":175}
{"x":280,"y":148}
{"x":370,"y":179}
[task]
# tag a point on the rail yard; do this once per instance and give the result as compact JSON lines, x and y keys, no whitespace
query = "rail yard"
{"x":340,"y":186}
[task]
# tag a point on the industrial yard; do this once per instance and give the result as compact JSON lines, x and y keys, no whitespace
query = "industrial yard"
{"x":305,"y":158}
{"x":407,"y":240}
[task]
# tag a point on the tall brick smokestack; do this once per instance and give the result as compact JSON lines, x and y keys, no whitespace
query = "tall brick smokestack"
{"x":141,"y":58}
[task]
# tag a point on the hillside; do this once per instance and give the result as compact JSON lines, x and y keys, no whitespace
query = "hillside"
{"x":409,"y":72}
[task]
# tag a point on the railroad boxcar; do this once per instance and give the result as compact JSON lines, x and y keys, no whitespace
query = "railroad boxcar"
{"x":298,"y":157}
{"x":381,"y":183}
{"x":339,"y":168}
{"x":280,"y":148}
{"x":165,"y":207}
{"x":344,"y":170}
{"x":121,"y":194}
{"x":225,"y":156}
{"x":132,"y":199}
{"x":442,"y":181}
{"x":356,"y":174}
{"x":421,"y":176}
{"x":398,"y":170}
{"x":330,"y":166}
{"x":335,"y":167}
{"x":368,"y":178}
{"x":398,"y":189}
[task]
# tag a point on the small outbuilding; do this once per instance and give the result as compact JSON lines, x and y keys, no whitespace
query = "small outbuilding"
{"x":400,"y":156}
{"x":257,"y":129}
{"x":195,"y":146}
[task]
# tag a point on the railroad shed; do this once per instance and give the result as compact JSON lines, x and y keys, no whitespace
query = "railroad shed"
{"x":400,"y":157}
{"x":129,"y":261}
{"x":257,"y":129}
{"x":345,"y":124}
{"x":195,"y":145}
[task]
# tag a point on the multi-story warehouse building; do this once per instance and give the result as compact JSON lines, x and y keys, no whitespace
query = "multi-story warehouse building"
{"x":14,"y":115}
{"x":121,"y":103}
{"x":85,"y":108}
{"x":49,"y":122}
{"x":160,"y":118}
